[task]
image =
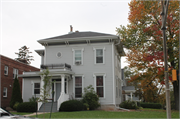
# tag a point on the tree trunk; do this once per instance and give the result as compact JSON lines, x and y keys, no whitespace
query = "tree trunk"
{"x":176,"y":94}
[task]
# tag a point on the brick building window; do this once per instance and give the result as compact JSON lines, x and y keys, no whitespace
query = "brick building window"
{"x":5,"y":70}
{"x":15,"y":72}
{"x":4,"y":92}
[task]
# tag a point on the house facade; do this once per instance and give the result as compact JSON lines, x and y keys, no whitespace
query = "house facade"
{"x":75,"y":61}
{"x":9,"y":69}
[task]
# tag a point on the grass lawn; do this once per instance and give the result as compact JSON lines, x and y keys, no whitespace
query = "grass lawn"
{"x":21,"y":113}
{"x":145,"y":113}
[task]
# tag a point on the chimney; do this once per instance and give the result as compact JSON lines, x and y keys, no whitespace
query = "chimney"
{"x":71,"y":28}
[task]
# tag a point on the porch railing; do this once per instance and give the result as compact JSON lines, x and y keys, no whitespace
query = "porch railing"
{"x":56,"y":66}
{"x":39,"y":105}
{"x":62,"y":98}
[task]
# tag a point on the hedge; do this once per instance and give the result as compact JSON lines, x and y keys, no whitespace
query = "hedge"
{"x":128,"y":105}
{"x":27,"y":107}
{"x":71,"y":105}
{"x":151,"y":105}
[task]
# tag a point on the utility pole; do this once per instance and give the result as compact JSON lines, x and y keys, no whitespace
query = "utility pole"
{"x":164,"y":5}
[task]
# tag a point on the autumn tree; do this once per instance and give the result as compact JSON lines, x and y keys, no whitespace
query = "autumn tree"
{"x":143,"y":39}
{"x":23,"y":55}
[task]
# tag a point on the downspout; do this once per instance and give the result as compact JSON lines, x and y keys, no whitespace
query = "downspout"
{"x":113,"y":74}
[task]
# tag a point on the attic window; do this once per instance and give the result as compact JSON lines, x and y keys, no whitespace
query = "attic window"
{"x":59,"y":54}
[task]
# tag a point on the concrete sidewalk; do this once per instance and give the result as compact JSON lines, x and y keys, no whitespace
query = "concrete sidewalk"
{"x":35,"y":114}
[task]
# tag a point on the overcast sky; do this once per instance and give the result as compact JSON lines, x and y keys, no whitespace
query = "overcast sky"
{"x":23,"y":22}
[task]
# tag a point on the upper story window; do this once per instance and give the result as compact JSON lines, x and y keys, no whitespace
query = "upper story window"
{"x":5,"y":92}
{"x":99,"y":55}
{"x":15,"y":72}
{"x":5,"y":70}
{"x":78,"y":56}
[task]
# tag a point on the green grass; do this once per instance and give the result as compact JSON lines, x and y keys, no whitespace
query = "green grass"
{"x":21,"y":113}
{"x":145,"y":113}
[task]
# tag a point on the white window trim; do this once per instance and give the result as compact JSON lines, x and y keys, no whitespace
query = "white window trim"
{"x":73,"y":50}
{"x":74,"y":84}
{"x":32,"y":83}
{"x":95,"y":48}
{"x":6,"y":68}
{"x":6,"y":92}
{"x":104,"y":86}
{"x":14,"y":69}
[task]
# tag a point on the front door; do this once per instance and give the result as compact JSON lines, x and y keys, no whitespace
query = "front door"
{"x":57,"y":90}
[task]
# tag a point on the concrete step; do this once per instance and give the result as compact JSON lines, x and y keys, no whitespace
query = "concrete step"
{"x":46,"y":107}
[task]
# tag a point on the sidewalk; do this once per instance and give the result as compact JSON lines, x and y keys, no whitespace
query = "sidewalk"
{"x":35,"y":114}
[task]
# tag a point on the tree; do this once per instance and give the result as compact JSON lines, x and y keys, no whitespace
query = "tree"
{"x":16,"y":93}
{"x":23,"y":55}
{"x":143,"y":38}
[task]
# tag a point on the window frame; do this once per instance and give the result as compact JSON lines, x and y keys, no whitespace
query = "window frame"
{"x":6,"y":69}
{"x":74,"y":51}
{"x":95,"y":87}
{"x":33,"y":88}
{"x":15,"y":72}
{"x":5,"y":91}
{"x":95,"y":53}
{"x":74,"y":85}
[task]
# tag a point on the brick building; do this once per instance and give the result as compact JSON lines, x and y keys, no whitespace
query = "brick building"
{"x":9,"y":69}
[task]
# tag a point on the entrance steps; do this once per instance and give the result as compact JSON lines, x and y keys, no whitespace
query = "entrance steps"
{"x":46,"y":107}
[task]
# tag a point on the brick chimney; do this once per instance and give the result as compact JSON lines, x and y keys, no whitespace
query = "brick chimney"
{"x":71,"y":28}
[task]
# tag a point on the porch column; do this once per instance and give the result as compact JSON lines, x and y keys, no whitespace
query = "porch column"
{"x":131,"y":96}
{"x":62,"y":83}
{"x":41,"y":85}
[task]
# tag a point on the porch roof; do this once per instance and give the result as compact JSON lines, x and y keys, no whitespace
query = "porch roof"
{"x":54,"y":72}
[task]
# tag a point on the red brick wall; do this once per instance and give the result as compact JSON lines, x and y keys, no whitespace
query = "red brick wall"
{"x":7,"y":80}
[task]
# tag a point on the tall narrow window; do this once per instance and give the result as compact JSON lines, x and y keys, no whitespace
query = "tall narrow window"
{"x":99,"y":55}
{"x":36,"y":88}
{"x":78,"y":86}
{"x":77,"y":55}
{"x":15,"y":72}
{"x":5,"y":70}
{"x":99,"y":86}
{"x":5,"y":92}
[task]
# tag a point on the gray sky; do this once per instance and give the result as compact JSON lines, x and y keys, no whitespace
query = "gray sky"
{"x":23,"y":22}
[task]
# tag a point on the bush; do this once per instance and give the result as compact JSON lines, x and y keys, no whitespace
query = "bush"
{"x":128,"y":105}
{"x":91,"y":98}
{"x":71,"y":105}
{"x":27,"y":107}
{"x":16,"y":105}
{"x":16,"y":93}
{"x":151,"y":105}
{"x":33,"y":99}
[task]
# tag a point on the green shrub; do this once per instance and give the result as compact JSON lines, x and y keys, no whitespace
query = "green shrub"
{"x":151,"y":105}
{"x":16,"y":93}
{"x":128,"y":105}
{"x":33,"y":99}
{"x":91,"y":98}
{"x":27,"y":107}
{"x":15,"y":105}
{"x":71,"y":105}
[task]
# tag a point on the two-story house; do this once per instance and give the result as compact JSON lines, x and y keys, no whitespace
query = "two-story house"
{"x":75,"y":61}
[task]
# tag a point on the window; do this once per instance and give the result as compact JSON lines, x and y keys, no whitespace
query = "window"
{"x":78,"y":56}
{"x":5,"y":92}
{"x":36,"y":88}
{"x":5,"y":70}
{"x":78,"y":86}
{"x":99,"y":55}
{"x":15,"y":72}
{"x":100,"y":86}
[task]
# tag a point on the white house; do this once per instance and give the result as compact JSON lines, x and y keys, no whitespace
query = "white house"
{"x":77,"y":60}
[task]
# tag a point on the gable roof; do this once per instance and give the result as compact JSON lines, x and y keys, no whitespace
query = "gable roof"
{"x":80,"y":35}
